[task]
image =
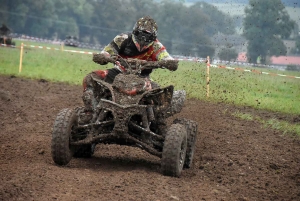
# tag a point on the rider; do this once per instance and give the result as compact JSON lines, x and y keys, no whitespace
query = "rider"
{"x":141,"y":44}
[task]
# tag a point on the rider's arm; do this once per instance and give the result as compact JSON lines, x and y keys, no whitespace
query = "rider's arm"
{"x":160,"y":53}
{"x":114,"y":47}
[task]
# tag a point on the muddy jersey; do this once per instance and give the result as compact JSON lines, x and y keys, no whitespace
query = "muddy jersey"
{"x":124,"y":46}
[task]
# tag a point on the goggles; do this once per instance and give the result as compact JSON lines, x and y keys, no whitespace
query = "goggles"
{"x":144,"y":36}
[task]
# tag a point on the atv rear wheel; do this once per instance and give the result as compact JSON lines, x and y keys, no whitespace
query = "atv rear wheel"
{"x":177,"y":102}
{"x":174,"y":150}
{"x":64,"y":126}
{"x":191,"y":128}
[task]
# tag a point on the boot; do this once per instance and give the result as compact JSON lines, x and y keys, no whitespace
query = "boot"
{"x":86,"y":115}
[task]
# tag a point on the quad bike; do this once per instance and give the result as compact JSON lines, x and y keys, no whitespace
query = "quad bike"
{"x":129,"y":113}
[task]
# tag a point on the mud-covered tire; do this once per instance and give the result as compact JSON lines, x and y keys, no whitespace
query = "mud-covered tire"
{"x":61,"y":150}
{"x":192,"y":129}
{"x":174,"y":150}
{"x":77,"y":110}
{"x":85,"y":151}
{"x":177,"y":102}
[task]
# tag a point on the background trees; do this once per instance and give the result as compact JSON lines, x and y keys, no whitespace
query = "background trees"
{"x":184,"y":30}
{"x":265,"y":25}
{"x":190,"y":31}
{"x":228,"y":54}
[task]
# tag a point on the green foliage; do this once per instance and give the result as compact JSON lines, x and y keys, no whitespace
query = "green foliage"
{"x":188,"y":30}
{"x":183,"y":30}
{"x":218,"y":21}
{"x":244,"y":116}
{"x":265,"y":24}
{"x":298,"y":45}
{"x":296,"y":50}
{"x":228,"y":54}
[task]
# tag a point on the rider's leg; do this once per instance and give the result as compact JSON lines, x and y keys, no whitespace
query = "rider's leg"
{"x":88,"y":91}
{"x":88,"y":96}
{"x":88,"y":99}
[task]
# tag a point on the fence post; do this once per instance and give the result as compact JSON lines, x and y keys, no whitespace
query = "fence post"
{"x":207,"y":76}
{"x":21,"y":58}
{"x":62,"y":46}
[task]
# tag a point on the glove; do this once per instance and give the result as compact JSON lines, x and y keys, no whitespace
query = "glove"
{"x":102,"y":58}
{"x":120,"y":67}
{"x":171,"y":65}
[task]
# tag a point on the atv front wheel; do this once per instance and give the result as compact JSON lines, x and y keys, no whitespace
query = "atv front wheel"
{"x":85,"y":151}
{"x":174,"y":150}
{"x":191,"y":128}
{"x":64,"y":126}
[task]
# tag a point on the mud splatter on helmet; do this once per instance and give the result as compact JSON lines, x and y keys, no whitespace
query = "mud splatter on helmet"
{"x":144,"y":33}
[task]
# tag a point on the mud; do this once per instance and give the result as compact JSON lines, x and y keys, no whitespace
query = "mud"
{"x":234,"y":159}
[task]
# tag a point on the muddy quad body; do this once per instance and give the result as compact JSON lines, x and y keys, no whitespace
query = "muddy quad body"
{"x":129,"y":113}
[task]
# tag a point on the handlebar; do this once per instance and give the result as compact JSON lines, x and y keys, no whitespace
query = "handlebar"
{"x":134,"y":64}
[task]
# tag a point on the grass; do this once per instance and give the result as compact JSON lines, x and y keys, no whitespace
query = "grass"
{"x":274,"y":93}
{"x":53,"y":65}
{"x":276,"y":124}
{"x":241,"y":88}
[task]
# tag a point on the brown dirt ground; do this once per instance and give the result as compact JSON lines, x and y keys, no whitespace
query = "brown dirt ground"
{"x":234,"y":160}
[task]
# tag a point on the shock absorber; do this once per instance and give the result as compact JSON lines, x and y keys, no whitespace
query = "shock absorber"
{"x":150,"y":113}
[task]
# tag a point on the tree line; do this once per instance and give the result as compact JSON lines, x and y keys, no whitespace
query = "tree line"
{"x":184,"y":30}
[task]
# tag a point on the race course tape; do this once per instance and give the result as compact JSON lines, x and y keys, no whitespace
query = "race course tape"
{"x":5,"y":45}
{"x":41,"y":47}
{"x":254,"y":71}
{"x":48,"y":48}
{"x":194,"y":60}
{"x":82,"y":52}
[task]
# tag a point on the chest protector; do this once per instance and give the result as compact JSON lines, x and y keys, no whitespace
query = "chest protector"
{"x":129,"y":50}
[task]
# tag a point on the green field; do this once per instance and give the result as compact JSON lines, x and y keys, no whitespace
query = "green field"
{"x":273,"y":93}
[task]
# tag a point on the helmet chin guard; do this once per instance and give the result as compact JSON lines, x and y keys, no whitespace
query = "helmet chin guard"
{"x":144,"y":33}
{"x":141,"y":42}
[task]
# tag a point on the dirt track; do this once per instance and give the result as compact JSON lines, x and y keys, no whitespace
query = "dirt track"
{"x":234,"y":160}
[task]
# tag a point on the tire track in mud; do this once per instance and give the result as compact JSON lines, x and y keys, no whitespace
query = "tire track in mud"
{"x":234,"y":159}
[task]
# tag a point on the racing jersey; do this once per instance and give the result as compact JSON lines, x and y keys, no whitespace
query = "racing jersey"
{"x":123,"y":45}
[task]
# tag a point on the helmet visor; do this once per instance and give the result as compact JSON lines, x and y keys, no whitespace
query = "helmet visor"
{"x":143,"y":39}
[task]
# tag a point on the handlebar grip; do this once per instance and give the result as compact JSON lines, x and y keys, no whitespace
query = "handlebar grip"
{"x":102,"y":59}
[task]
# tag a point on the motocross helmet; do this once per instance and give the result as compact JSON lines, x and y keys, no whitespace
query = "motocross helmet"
{"x":144,"y":33}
